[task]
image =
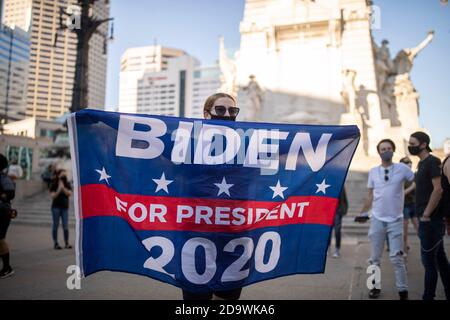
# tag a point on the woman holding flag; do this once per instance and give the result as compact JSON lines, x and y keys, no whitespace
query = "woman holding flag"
{"x":219,"y":106}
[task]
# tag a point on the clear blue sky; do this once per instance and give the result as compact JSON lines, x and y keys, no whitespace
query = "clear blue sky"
{"x":195,"y":26}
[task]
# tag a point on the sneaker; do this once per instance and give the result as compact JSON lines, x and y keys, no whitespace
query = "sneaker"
{"x":337,"y":254}
{"x":374,"y":293}
{"x":68,"y":246}
{"x":403,"y":295}
{"x":57,"y":246}
{"x":5,"y":273}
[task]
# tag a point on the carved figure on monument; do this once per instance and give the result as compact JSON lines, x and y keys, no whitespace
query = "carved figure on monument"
{"x":228,"y":71}
{"x":393,"y":78}
{"x":255,"y":97}
{"x":383,"y":63}
{"x":365,"y":103}
{"x":349,"y":90}
{"x":388,"y":102}
{"x":404,"y":60}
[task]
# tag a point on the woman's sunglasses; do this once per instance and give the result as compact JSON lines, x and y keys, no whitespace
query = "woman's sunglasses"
{"x":221,"y":110}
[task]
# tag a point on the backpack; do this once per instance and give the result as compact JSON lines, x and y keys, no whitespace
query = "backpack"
{"x":7,"y":193}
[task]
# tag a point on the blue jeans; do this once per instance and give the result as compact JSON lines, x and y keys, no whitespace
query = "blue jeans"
{"x":377,"y":235}
{"x":409,"y":211}
{"x":431,"y":234}
{"x":337,"y":226}
{"x":62,"y":213}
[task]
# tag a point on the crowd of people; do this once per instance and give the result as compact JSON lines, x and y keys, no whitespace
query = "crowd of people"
{"x":396,"y":195}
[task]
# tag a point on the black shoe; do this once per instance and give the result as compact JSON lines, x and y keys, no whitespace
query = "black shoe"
{"x":403,"y":295}
{"x":5,"y":273}
{"x":68,"y":246}
{"x":374,"y":293}
{"x":57,"y":246}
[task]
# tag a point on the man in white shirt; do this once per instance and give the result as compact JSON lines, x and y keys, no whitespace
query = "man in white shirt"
{"x":386,"y":198}
{"x":15,"y":170}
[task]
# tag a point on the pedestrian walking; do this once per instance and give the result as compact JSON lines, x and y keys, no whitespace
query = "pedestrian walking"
{"x":341,"y":211}
{"x":385,"y":197}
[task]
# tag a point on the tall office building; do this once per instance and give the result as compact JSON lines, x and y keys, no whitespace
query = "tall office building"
{"x":51,"y":72}
{"x":14,"y":62}
{"x":149,"y":58}
{"x":165,"y":81}
{"x":147,"y":83}
{"x":205,"y":82}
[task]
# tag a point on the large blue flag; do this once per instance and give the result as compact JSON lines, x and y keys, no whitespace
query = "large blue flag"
{"x":205,"y":205}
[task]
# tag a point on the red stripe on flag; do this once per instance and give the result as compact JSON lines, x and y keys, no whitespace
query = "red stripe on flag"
{"x":208,"y":215}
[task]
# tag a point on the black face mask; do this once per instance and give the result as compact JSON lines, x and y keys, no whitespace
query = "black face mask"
{"x":215,"y":117}
{"x":414,"y":150}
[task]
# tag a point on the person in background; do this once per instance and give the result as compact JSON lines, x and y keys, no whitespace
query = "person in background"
{"x":445,"y":200}
{"x":7,"y":193}
{"x":15,"y":170}
{"x":409,"y":209}
{"x":48,"y":175}
{"x":385,"y":197}
{"x":337,"y":226}
{"x":431,"y":226}
{"x":60,"y":190}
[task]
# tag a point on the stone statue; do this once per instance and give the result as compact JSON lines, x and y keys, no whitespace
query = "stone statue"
{"x":393,"y":78}
{"x":228,"y":70}
{"x":255,"y":97}
{"x":349,"y":90}
{"x":383,"y":63}
{"x":388,"y":102}
{"x":404,"y":60}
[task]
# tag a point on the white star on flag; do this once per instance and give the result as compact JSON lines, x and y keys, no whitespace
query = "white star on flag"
{"x":224,"y":187}
{"x":162,"y":183}
{"x":322,"y":187}
{"x":278,"y":190}
{"x":103,"y":175}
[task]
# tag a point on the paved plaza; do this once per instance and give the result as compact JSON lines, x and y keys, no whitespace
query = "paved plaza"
{"x":40,"y":273}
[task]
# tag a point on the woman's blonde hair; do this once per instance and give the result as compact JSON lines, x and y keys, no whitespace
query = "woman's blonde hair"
{"x":209,"y":103}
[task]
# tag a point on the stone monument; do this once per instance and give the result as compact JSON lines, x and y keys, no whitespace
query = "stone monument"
{"x":255,"y":99}
{"x":228,"y":70}
{"x":316,"y":62}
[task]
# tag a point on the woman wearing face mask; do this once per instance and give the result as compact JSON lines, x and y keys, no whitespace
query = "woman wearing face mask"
{"x":219,"y":106}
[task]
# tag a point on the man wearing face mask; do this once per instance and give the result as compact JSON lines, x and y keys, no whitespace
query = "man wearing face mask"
{"x":431,"y":225}
{"x":386,"y":198}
